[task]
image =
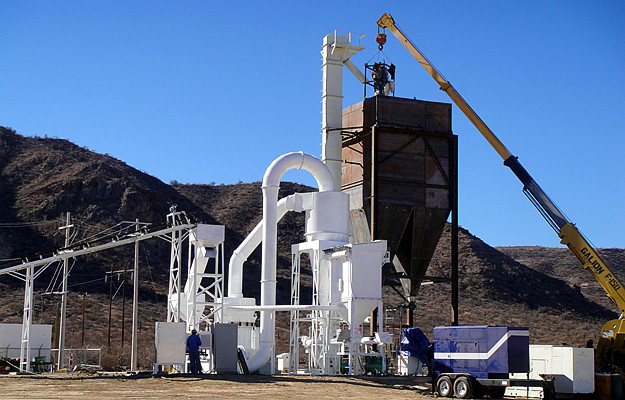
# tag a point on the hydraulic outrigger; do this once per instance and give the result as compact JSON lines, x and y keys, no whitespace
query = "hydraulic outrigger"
{"x":611,"y":346}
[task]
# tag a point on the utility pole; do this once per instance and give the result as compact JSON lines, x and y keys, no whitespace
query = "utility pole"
{"x":124,"y":303}
{"x":110,"y":306}
{"x":67,"y":228}
{"x":135,"y":305}
{"x":82,"y":336}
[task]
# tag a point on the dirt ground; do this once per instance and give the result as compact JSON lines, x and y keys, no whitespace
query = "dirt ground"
{"x":217,"y":387}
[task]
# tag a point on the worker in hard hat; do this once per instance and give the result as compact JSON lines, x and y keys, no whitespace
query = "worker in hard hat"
{"x":193,"y":347}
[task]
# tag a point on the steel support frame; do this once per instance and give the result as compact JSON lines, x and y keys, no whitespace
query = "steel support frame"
{"x":29,"y":279}
{"x":315,"y":360}
{"x":31,"y":273}
{"x":294,"y":318}
{"x":374,"y":202}
{"x":174,"y":296}
{"x":28,"y":276}
{"x":214,"y":290}
{"x":453,"y":194}
{"x":319,"y":320}
{"x":452,"y":181}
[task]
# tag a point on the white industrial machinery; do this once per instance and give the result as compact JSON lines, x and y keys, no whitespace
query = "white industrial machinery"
{"x":346,"y":288}
{"x":347,"y":280}
{"x":197,"y":305}
{"x":346,"y":276}
{"x":204,"y":288}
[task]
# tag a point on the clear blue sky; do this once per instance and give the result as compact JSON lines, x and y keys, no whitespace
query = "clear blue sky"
{"x":205,"y":91}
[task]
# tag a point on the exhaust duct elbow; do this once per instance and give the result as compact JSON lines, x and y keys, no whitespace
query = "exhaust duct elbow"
{"x":294,"y":202}
{"x":299,"y":160}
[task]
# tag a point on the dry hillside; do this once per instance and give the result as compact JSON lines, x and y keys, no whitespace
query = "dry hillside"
{"x":41,"y":179}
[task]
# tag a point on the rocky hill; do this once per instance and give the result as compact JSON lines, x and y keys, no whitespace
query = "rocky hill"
{"x":41,"y":179}
{"x":496,"y":288}
{"x":562,"y":264}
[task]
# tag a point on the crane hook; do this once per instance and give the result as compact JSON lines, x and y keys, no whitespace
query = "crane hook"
{"x":381,"y":40}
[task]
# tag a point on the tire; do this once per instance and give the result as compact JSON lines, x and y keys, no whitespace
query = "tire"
{"x":463,"y":388}
{"x":444,"y":386}
{"x":496,"y":392}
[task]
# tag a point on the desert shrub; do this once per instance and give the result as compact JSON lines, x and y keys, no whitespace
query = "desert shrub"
{"x":109,"y":362}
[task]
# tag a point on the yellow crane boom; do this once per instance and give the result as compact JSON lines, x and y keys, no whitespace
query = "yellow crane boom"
{"x":613,"y":334}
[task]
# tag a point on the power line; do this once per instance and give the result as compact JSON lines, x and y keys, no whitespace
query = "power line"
{"x":86,"y":282}
{"x":27,"y":224}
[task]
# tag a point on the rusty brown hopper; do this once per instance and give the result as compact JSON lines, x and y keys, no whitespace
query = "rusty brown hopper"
{"x":399,"y":166}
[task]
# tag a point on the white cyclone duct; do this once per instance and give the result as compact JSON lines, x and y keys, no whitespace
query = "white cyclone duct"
{"x":270,"y":187}
{"x":319,"y":226}
{"x":251,"y":242}
{"x":337,"y":49}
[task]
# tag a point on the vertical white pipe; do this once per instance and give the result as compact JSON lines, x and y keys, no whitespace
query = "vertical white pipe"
{"x":337,"y":49}
{"x":332,"y":106}
{"x":270,"y":187}
{"x":268,"y":277}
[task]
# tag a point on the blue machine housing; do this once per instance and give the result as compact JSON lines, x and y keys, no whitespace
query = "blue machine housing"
{"x":481,"y":351}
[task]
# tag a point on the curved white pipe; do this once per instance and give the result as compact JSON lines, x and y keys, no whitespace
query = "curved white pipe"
{"x":271,"y":184}
{"x":299,"y":160}
{"x":251,"y":242}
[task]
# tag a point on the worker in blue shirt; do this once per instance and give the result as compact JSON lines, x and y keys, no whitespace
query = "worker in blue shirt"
{"x":193,"y":347}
